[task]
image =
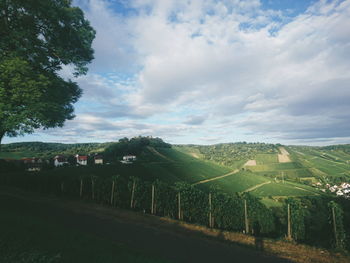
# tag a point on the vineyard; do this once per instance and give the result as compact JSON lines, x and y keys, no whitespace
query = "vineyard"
{"x":190,"y":183}
{"x":214,"y":208}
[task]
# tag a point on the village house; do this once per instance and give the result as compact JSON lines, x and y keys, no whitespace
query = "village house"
{"x":59,"y":160}
{"x":98,"y":159}
{"x":33,"y":164}
{"x":81,"y":159}
{"x":333,"y":188}
{"x":340,"y":193}
{"x":128,"y":159}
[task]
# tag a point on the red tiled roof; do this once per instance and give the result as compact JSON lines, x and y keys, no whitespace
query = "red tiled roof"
{"x":82,"y":158}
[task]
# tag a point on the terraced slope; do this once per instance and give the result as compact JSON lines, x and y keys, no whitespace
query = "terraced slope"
{"x":268,"y":174}
{"x":326,"y":164}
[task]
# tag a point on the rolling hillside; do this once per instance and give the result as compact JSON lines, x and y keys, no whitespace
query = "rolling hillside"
{"x":265,"y":170}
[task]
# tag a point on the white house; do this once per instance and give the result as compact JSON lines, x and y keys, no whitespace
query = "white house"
{"x":345,"y":185}
{"x":333,"y":188}
{"x":81,"y":159}
{"x":340,"y":193}
{"x":98,"y":159}
{"x":33,"y":164}
{"x":346,"y":191}
{"x":128,"y":159}
{"x":60,"y":160}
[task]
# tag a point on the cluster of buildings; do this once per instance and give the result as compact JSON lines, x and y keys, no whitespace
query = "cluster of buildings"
{"x":36,"y":164}
{"x":127,"y":159}
{"x":340,"y":190}
{"x":60,"y":160}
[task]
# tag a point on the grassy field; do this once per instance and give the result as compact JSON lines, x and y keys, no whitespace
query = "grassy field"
{"x":328,"y":165}
{"x":238,"y":182}
{"x":262,"y":159}
{"x":280,"y":189}
{"x":27,"y":237}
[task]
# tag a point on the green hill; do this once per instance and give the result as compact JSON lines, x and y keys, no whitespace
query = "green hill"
{"x":265,"y":170}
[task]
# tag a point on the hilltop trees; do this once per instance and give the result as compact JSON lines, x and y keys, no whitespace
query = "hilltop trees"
{"x":36,"y":39}
{"x":134,"y":146}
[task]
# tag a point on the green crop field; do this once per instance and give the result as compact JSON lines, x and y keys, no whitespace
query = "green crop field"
{"x":266,"y":159}
{"x":275,"y":167}
{"x":238,"y":182}
{"x":328,"y":165}
{"x":191,"y":164}
{"x":280,"y":189}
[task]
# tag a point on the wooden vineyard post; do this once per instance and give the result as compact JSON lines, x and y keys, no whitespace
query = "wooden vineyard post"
{"x":132,"y":194}
{"x":62,"y":187}
{"x":112,"y":193}
{"x":152,"y":205}
{"x":246,"y":217}
{"x":179,"y":205}
{"x":210,"y":213}
{"x":92,"y":188}
{"x":289,"y":234}
{"x":81,"y":188}
{"x":335,"y":227}
{"x":283,"y":177}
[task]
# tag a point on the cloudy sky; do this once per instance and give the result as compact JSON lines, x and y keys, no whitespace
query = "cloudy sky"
{"x":210,"y":71}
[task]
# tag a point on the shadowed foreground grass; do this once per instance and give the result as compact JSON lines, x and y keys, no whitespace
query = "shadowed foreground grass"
{"x":26,"y":237}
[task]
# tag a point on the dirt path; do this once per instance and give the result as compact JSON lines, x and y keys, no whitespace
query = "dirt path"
{"x":216,"y":178}
{"x":283,"y":157}
{"x":250,"y":163}
{"x":159,"y":154}
{"x":141,"y":232}
{"x":256,"y":186}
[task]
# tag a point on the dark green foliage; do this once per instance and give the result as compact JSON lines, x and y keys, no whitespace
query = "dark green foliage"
{"x":49,"y":150}
{"x":134,"y":146}
{"x":228,"y":211}
{"x":337,"y":222}
{"x":37,"y":39}
{"x":297,"y":217}
{"x":310,"y":216}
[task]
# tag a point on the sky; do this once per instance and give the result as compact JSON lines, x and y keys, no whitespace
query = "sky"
{"x":213,"y":71}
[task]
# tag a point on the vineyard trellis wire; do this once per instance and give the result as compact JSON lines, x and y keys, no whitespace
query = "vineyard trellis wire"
{"x":233,"y":212}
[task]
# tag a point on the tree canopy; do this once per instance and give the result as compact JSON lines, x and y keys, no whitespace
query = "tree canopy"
{"x":36,"y":39}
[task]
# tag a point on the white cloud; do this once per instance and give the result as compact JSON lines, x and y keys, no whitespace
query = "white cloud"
{"x":230,"y":67}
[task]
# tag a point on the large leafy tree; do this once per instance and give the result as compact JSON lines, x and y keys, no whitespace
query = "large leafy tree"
{"x":37,"y":38}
